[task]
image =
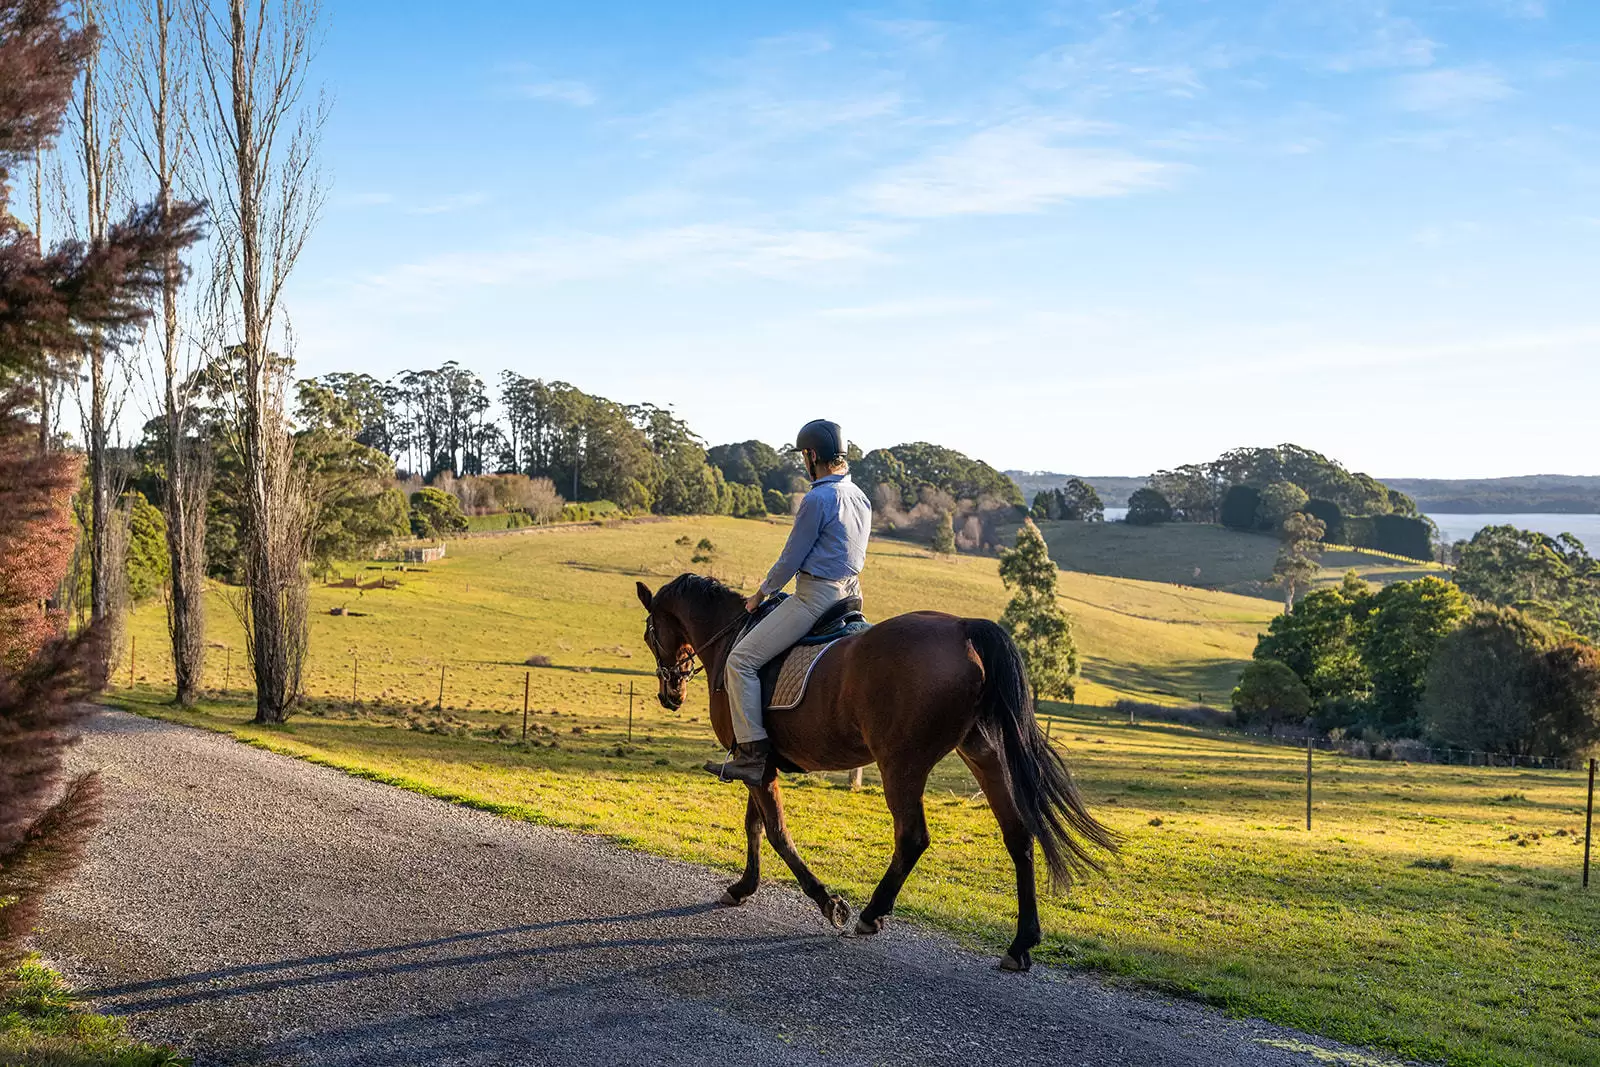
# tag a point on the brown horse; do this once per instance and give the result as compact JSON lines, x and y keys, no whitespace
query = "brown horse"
{"x":902,"y":694}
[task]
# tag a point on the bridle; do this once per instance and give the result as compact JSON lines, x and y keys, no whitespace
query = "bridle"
{"x":684,"y":667}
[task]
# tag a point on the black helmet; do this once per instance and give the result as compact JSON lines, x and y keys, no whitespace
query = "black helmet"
{"x":821,"y":437}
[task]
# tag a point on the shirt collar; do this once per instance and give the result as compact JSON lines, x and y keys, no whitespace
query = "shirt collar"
{"x":826,"y":478}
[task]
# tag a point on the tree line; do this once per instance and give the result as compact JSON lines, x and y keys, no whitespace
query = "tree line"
{"x":1476,"y":663}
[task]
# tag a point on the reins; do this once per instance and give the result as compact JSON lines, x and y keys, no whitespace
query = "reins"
{"x":677,"y":674}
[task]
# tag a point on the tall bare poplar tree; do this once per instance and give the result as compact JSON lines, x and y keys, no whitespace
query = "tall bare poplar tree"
{"x":154,"y":47}
{"x":260,"y":135}
{"x":97,"y":145}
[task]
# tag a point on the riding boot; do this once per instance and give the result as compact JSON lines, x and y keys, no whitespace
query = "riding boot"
{"x":746,"y":763}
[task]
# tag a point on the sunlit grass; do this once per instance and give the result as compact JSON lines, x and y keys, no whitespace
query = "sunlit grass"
{"x":41,"y":1025}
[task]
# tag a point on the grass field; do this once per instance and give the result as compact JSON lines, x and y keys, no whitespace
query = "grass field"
{"x":1209,"y":557}
{"x":1432,"y":912}
{"x":42,"y":1026}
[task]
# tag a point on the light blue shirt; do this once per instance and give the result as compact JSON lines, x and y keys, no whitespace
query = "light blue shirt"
{"x":829,"y":539}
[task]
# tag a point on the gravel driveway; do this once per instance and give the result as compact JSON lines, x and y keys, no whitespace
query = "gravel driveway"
{"x":254,"y":909}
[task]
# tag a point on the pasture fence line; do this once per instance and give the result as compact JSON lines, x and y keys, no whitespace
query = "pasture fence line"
{"x":1212,"y":723}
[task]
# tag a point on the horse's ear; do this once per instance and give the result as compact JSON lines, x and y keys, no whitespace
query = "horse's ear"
{"x":645,"y":597}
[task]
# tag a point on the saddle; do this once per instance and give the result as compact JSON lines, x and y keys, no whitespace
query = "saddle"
{"x":783,"y":679}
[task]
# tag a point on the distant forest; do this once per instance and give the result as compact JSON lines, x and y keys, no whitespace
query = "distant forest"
{"x":1559,"y":494}
{"x":1114,"y":491}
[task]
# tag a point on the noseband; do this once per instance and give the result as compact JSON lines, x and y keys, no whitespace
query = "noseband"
{"x":684,"y":667}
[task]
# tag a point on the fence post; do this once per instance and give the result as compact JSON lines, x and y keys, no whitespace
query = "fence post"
{"x":527,"y":677}
{"x":441,"y":687}
{"x":1308,"y":776}
{"x":355,"y":676}
{"x":630,"y":713}
{"x":227,"y":671}
{"x":1588,"y":824}
{"x":133,"y":649}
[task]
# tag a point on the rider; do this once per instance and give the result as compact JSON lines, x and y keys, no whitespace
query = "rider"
{"x":825,"y":552}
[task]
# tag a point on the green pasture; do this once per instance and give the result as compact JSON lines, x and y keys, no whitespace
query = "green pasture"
{"x":1432,"y":911}
{"x":41,"y":1025}
{"x":1203,"y":556}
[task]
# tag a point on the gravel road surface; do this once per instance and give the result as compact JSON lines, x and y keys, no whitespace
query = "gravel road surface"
{"x":254,"y":909}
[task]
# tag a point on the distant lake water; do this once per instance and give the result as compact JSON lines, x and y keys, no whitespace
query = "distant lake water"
{"x":1585,"y":528}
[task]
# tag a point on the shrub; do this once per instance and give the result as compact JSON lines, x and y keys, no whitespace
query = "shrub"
{"x":589,"y":511}
{"x":1270,"y":693}
{"x":537,"y":660}
{"x":435,"y":513}
{"x":777,"y":502}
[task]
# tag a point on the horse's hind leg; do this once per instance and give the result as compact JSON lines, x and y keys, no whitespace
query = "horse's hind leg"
{"x":741,"y":890}
{"x":903,"y":791}
{"x":989,"y":769}
{"x":770,"y":801}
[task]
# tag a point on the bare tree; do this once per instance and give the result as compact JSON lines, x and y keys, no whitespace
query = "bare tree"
{"x":97,"y":151}
{"x":154,"y":49}
{"x":260,"y":135}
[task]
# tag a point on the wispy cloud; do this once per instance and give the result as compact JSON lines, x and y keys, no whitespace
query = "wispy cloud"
{"x":1450,"y":89}
{"x":922,"y":34}
{"x":1382,"y":41}
{"x":1012,"y":169}
{"x":932,"y":307}
{"x":675,"y":253}
{"x":574,"y":93}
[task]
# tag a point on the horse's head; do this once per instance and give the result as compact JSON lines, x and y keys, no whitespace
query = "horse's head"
{"x":668,"y":641}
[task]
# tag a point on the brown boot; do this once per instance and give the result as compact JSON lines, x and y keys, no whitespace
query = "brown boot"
{"x":747,"y":763}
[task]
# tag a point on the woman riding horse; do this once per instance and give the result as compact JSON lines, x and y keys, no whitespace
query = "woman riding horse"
{"x":902,"y":694}
{"x":826,"y":549}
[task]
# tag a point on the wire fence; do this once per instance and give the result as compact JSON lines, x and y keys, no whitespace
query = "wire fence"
{"x":1402,"y":750}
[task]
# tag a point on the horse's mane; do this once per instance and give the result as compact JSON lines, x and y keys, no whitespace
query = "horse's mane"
{"x":698,"y":590}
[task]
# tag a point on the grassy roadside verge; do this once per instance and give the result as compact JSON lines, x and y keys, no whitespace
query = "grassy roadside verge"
{"x":1430,"y":913}
{"x":42,"y":1025}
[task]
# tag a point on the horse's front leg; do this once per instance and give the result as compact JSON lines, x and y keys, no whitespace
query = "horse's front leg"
{"x":903,"y":790}
{"x":770,"y":800}
{"x":740,"y":891}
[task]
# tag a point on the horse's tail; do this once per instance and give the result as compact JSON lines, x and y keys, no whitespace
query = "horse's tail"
{"x":1040,"y":785}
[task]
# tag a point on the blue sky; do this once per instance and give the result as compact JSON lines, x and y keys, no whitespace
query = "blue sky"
{"x":1100,"y":238}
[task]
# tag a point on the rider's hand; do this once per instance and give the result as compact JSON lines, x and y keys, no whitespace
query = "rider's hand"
{"x":752,"y":603}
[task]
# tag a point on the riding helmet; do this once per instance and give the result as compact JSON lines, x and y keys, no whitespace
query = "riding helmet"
{"x":821,"y":437}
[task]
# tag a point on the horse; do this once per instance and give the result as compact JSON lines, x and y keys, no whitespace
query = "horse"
{"x":902,"y":694}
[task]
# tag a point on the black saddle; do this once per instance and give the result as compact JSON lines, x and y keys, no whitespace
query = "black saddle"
{"x":841,"y":620}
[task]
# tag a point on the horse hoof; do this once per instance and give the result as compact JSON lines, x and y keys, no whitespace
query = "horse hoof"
{"x":1014,"y":965}
{"x":729,"y":900}
{"x":837,"y":911}
{"x":867,"y":929}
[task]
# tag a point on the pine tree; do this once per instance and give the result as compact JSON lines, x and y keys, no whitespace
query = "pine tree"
{"x":944,"y":535}
{"x":1035,"y":621}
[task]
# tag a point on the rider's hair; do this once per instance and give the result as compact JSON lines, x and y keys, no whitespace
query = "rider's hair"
{"x":836,"y":465}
